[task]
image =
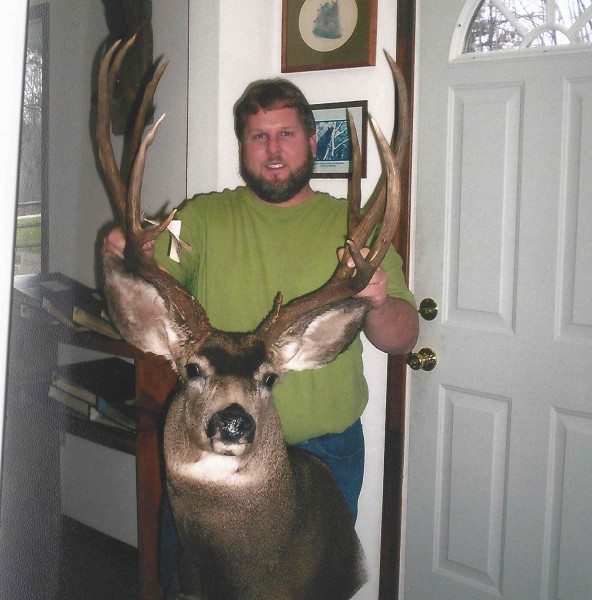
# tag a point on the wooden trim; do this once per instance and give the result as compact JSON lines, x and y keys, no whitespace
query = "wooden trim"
{"x":390,"y":551}
{"x":154,"y":382}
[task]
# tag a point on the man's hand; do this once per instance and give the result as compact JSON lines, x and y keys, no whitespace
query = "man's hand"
{"x":114,"y":243}
{"x":377,"y":290}
{"x":391,"y":324}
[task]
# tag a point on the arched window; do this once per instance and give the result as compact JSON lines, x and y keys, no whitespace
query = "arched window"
{"x":517,"y":24}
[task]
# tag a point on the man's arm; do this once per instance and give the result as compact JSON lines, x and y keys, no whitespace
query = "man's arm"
{"x":392,"y":324}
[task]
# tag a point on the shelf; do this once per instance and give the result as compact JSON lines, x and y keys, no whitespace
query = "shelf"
{"x":96,"y":341}
{"x":117,"y":439}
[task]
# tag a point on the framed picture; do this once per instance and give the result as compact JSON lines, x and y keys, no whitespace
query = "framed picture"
{"x":328,"y":34}
{"x":334,"y":150}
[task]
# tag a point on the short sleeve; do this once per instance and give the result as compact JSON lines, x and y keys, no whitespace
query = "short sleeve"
{"x":397,"y":287}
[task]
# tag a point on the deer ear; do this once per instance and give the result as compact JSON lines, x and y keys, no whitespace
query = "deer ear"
{"x":139,"y":311}
{"x":317,"y":338}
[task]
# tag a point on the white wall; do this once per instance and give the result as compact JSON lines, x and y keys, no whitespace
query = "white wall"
{"x":231,"y":44}
{"x":98,"y":488}
{"x":78,"y":201}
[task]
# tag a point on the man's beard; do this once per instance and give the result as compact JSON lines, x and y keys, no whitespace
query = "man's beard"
{"x":278,"y":192}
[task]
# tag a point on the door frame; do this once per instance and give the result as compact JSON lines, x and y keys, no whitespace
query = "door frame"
{"x":392,"y":500}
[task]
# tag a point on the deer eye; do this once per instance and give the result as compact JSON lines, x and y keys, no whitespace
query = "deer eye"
{"x":193,"y":371}
{"x":269,"y":380}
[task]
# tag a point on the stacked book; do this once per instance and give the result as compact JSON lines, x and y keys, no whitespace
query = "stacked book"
{"x":101,"y":390}
{"x":66,"y":300}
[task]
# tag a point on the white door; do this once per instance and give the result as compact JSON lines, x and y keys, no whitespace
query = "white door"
{"x":499,"y":462}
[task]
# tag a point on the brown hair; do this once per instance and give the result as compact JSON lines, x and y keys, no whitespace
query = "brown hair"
{"x":271,"y":94}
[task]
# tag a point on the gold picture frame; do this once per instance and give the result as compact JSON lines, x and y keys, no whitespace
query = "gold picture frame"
{"x":328,"y":34}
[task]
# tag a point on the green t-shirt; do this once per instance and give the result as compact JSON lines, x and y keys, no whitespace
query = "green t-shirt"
{"x":244,"y":252}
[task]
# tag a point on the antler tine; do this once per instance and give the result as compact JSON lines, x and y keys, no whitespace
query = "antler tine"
{"x":355,"y":187}
{"x":399,"y":143}
{"x":387,"y":210}
{"x":143,"y":109}
{"x":132,"y":214}
{"x":399,"y":139}
{"x":392,"y":210}
{"x":137,"y":236}
{"x":106,"y":155}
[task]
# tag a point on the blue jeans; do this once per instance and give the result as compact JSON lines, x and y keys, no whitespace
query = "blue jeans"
{"x":342,"y":452}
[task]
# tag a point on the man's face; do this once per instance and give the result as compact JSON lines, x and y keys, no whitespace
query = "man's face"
{"x":276,"y":155}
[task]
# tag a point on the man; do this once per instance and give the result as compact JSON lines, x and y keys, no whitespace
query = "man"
{"x":278,"y":234}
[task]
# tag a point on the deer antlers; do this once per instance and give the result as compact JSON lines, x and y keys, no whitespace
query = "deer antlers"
{"x":184,"y":309}
{"x":384,"y":207}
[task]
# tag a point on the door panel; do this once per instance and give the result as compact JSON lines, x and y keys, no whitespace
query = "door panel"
{"x":480,"y":293}
{"x":499,"y":483}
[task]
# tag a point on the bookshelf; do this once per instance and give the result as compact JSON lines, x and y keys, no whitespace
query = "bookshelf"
{"x":33,"y":357}
{"x":124,"y":441}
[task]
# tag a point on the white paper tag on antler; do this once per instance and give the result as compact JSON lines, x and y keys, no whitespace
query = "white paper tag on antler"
{"x":175,"y":229}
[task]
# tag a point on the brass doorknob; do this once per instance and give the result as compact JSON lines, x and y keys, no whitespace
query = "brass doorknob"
{"x":425,"y":359}
{"x":428,"y":309}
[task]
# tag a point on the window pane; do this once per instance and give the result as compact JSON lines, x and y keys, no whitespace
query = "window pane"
{"x":530,"y":13}
{"x":32,"y":157}
{"x":491,"y":31}
{"x":510,"y":24}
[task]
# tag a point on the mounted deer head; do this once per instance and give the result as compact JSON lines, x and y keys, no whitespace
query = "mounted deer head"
{"x":258,"y":519}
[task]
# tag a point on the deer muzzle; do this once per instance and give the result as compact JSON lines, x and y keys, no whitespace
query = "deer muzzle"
{"x":231,"y":430}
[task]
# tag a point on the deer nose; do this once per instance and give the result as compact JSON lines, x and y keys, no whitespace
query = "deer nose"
{"x":233,"y":425}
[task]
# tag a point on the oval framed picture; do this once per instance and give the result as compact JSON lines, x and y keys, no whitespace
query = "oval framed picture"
{"x":328,"y":34}
{"x":327,"y":26}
